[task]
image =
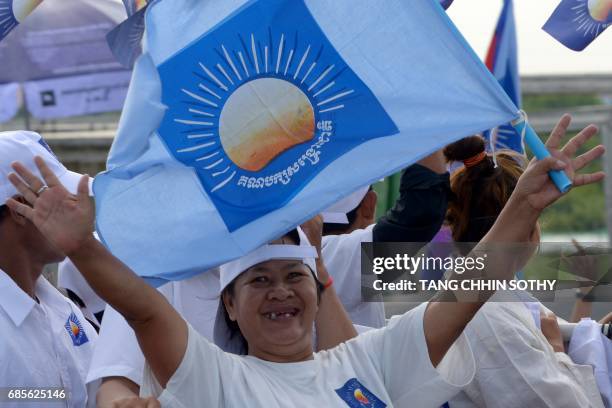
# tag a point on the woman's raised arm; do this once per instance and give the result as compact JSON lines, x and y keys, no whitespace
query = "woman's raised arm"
{"x":445,"y":320}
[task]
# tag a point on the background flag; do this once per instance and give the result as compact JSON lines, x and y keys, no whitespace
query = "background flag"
{"x":576,"y":23}
{"x":446,"y":3}
{"x":244,"y":119}
{"x":125,"y":40}
{"x":133,"y":6}
{"x":502,"y":61}
{"x":13,"y":12}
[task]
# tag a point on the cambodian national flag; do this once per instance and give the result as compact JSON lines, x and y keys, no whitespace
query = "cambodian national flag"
{"x":13,"y":12}
{"x":502,"y":61}
{"x":246,"y":118}
{"x":576,"y":23}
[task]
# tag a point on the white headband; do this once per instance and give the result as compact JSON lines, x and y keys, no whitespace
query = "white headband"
{"x":231,"y":270}
{"x":336,"y":213}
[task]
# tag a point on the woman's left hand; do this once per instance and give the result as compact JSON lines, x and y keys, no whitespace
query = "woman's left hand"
{"x":536,"y":187}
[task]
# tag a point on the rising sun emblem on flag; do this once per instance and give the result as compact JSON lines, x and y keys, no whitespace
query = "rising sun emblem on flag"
{"x":593,"y":16}
{"x":258,"y":108}
{"x":13,"y":12}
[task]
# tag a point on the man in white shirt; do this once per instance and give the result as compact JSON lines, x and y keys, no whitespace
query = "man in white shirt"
{"x":71,"y":280}
{"x":416,"y":216}
{"x":45,"y":342}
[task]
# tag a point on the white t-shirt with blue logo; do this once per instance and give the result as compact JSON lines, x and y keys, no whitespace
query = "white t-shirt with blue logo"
{"x":44,"y":345}
{"x":388,"y":367}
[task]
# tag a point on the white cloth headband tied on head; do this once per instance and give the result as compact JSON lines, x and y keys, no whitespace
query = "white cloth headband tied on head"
{"x":304,"y":253}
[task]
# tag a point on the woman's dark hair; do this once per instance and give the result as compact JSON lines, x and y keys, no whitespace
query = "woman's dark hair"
{"x":293,"y":235}
{"x":480,"y":190}
{"x":3,"y":211}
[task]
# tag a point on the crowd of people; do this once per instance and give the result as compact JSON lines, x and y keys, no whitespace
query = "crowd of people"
{"x":286,"y":325}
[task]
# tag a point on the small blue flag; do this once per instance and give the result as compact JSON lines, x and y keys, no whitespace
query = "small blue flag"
{"x":576,"y":23}
{"x":246,"y":118}
{"x":502,"y":61}
{"x":13,"y":12}
{"x":446,"y":3}
{"x":133,"y":6}
{"x":125,"y":39}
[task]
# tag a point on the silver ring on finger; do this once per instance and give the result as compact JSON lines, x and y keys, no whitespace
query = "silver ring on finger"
{"x":42,"y":190}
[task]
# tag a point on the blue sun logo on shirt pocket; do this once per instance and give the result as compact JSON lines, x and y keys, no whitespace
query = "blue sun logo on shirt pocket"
{"x":75,"y":330}
{"x":356,"y":395}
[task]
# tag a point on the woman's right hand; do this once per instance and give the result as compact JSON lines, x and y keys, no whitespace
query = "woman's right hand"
{"x":64,"y":219}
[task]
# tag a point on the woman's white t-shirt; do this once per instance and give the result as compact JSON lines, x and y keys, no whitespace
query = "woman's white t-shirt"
{"x":388,"y":367}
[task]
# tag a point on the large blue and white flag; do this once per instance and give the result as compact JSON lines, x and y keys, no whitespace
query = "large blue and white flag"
{"x":13,"y":12}
{"x":502,"y":61}
{"x":246,"y":118}
{"x":576,"y":23}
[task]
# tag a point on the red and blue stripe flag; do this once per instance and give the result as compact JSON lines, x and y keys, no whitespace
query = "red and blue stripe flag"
{"x":502,"y":61}
{"x":576,"y":23}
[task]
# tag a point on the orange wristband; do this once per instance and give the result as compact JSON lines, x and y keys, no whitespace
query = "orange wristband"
{"x":329,"y":282}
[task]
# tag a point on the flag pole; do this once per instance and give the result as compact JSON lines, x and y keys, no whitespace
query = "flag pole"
{"x":532,"y":140}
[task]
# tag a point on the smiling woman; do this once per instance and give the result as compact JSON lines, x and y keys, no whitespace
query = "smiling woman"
{"x":420,"y":359}
{"x":261,"y":294}
{"x":271,"y":299}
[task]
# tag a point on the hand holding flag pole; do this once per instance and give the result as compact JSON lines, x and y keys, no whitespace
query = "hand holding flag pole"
{"x":532,"y":140}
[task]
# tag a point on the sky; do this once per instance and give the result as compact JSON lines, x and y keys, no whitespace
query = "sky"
{"x":539,"y":53}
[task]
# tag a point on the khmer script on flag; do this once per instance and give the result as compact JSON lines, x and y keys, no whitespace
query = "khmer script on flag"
{"x":246,"y":118}
{"x":576,"y":23}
